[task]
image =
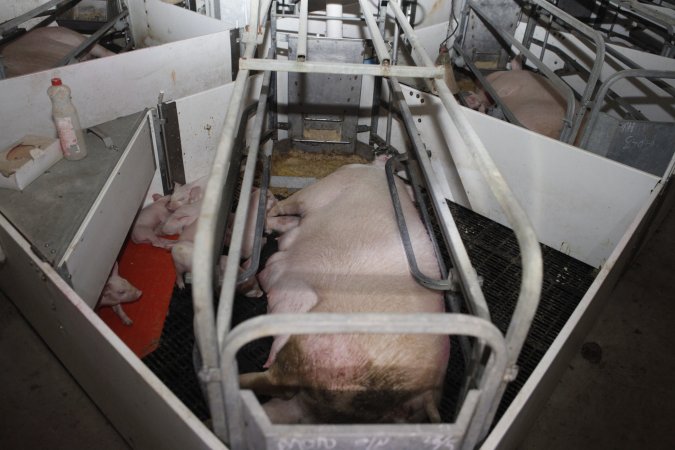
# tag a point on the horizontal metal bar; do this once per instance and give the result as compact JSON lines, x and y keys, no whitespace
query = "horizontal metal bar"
{"x":341,"y":68}
{"x":291,"y":182}
{"x":317,"y":141}
{"x":633,"y":65}
{"x":368,"y":323}
{"x":599,"y":100}
{"x":656,"y":16}
{"x":321,"y":119}
{"x":91,"y":40}
{"x":320,"y":17}
{"x":13,"y":23}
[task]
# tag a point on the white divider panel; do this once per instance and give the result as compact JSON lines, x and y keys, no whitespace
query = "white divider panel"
{"x":200,"y":118}
{"x":107,"y":88}
{"x":154,"y":22}
{"x":578,"y":202}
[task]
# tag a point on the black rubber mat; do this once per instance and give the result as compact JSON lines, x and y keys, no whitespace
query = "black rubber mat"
{"x":494,"y":253}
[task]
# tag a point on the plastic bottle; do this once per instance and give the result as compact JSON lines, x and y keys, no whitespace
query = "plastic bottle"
{"x":67,"y":122}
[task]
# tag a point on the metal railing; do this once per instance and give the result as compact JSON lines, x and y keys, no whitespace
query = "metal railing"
{"x":573,"y":115}
{"x":218,"y":344}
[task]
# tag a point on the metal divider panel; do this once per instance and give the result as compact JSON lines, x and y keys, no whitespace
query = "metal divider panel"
{"x":647,"y":146}
{"x":323,"y":108}
{"x":480,"y":43}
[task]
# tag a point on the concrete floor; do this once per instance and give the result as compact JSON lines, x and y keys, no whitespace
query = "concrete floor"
{"x":618,"y":392}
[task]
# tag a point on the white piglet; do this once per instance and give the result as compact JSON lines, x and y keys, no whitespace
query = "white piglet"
{"x":116,"y":291}
{"x":184,"y":194}
{"x":181,"y":218}
{"x":182,"y":261}
{"x":144,"y":230}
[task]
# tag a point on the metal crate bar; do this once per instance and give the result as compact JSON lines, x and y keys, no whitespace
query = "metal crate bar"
{"x":531,"y":258}
{"x":218,"y":344}
{"x":70,"y":58}
{"x":341,"y":68}
{"x":595,"y":36}
{"x":225,"y":303}
{"x":13,"y":23}
{"x":302,"y":31}
{"x":560,"y":85}
{"x":378,"y":41}
{"x":331,"y":323}
{"x":652,"y":75}
{"x":210,"y":230}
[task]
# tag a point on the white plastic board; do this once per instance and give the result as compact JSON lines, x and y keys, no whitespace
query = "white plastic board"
{"x":107,"y":88}
{"x":578,"y":202}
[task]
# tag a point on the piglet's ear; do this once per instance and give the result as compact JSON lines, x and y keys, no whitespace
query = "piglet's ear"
{"x":517,"y":63}
{"x":472,"y":100}
{"x":115,"y":270}
{"x":195,"y":194}
{"x":156,"y":197}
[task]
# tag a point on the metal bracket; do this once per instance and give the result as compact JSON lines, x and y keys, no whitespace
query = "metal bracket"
{"x":511,"y":373}
{"x":209,"y":374}
{"x":107,"y":140}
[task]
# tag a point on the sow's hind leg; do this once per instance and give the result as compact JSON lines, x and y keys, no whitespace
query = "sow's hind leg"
{"x":286,"y":406}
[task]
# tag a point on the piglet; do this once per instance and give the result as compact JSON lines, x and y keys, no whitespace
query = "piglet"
{"x":185,"y":194}
{"x":150,"y":217}
{"x":182,"y":260}
{"x":182,"y":217}
{"x":118,"y":290}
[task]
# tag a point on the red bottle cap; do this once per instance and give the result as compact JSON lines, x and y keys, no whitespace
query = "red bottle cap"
{"x":56,"y":82}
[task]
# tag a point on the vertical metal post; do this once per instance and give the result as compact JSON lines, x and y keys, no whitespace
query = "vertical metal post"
{"x":391,"y":97}
{"x":271,"y":111}
{"x":531,"y":25}
{"x":377,"y":81}
{"x":333,"y":26}
{"x":378,"y":41}
{"x":302,"y":31}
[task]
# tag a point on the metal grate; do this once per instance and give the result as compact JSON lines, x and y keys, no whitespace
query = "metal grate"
{"x":172,"y":361}
{"x":494,"y":252}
